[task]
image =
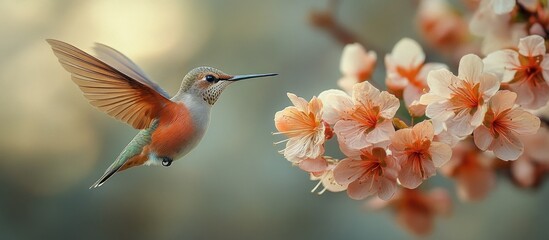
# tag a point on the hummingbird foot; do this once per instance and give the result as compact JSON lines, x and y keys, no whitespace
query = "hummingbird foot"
{"x":166,"y":161}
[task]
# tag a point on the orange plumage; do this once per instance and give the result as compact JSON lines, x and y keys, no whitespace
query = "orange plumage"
{"x":175,"y":129}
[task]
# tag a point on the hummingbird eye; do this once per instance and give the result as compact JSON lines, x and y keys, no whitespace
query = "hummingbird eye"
{"x":211,"y":78}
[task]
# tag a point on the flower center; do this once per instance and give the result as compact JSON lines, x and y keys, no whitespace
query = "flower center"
{"x":417,"y":153}
{"x":372,"y":168}
{"x":498,"y":124}
{"x":411,"y":75}
{"x":367,"y":115}
{"x":374,"y":162}
{"x":530,"y":70}
{"x":297,"y":123}
{"x":466,"y":96}
{"x":419,"y":150}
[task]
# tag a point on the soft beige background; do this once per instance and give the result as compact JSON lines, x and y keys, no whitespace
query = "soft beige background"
{"x":54,"y":145}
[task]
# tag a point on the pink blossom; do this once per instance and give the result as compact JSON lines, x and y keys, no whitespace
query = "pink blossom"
{"x":458,"y":103}
{"x":526,"y":71}
{"x":416,"y":210}
{"x":363,"y":119}
{"x":417,"y":153}
{"x":356,"y":65}
{"x":306,"y":132}
{"x":374,"y":172}
{"x":407,"y":72}
{"x":472,"y":170}
{"x":503,"y":125}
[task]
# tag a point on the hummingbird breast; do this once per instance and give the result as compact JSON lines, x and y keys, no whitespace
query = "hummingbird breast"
{"x":179,"y":131}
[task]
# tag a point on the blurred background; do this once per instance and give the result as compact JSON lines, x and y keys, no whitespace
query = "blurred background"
{"x":234,"y":185}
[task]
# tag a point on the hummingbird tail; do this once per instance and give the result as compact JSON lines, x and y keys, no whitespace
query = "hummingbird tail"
{"x":131,"y":156}
{"x":105,"y":177}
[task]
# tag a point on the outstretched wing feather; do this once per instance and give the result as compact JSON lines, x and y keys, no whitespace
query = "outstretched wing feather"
{"x":123,"y":64}
{"x":134,"y":101}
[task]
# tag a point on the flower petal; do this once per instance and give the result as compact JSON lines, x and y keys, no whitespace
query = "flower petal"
{"x":412,"y":173}
{"x":470,"y":68}
{"x":313,"y":164}
{"x":540,"y":96}
{"x":416,"y":219}
{"x":438,"y":81}
{"x":461,"y":126}
{"x":474,"y":182}
{"x":440,"y":153}
{"x":315,"y":107}
{"x":359,"y":190}
{"x":408,"y":54}
{"x":335,"y":103}
{"x":531,"y":46}
{"x":382,"y":132}
{"x":387,"y":103}
{"x":395,"y":83}
{"x":285,"y":121}
{"x":525,"y":94}
{"x":424,"y":130}
{"x":447,"y":138}
{"x":298,"y":148}
{"x":348,"y":151}
{"x":502,"y":101}
{"x":427,"y":68}
{"x":502,"y":63}
{"x":441,"y":200}
{"x":387,"y":188}
{"x":524,"y":172}
{"x":348,"y":171}
{"x":354,"y":59}
{"x":483,"y":138}
{"x":489,"y":85}
{"x":401,"y":139}
{"x":478,"y":116}
{"x":430,"y":98}
{"x":410,"y":94}
{"x":439,"y":111}
{"x":353,"y":134}
{"x":298,"y":102}
{"x":523,"y":122}
{"x":545,"y":67}
{"x":364,"y":92}
{"x":507,"y":147}
{"x":416,"y":109}
{"x":347,"y":82}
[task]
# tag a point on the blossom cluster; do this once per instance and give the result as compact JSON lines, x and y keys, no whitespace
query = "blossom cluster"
{"x":472,"y":122}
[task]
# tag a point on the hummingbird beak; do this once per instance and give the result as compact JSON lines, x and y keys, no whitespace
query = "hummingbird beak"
{"x":242,"y":77}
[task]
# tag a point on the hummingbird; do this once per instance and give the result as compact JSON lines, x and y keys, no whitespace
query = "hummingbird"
{"x":169,"y":127}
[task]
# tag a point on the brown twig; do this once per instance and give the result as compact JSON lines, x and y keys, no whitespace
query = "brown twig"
{"x":325,"y":20}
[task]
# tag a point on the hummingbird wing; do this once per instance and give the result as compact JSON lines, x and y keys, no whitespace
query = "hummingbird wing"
{"x":124,"y":93}
{"x":120,"y":62}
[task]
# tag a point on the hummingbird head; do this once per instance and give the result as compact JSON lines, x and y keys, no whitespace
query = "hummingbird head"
{"x":209,"y":83}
